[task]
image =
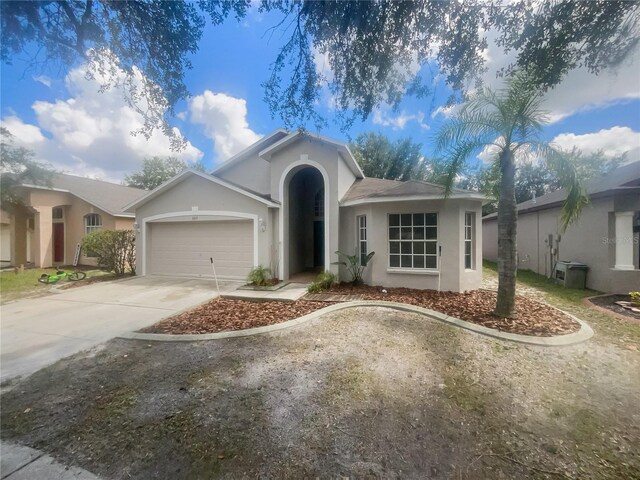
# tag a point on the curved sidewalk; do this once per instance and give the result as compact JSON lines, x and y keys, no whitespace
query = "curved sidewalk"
{"x":581,"y":335}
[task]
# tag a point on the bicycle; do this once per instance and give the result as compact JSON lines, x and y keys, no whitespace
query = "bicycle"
{"x":59,"y":275}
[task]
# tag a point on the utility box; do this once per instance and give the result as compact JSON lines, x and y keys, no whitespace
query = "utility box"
{"x":571,"y":274}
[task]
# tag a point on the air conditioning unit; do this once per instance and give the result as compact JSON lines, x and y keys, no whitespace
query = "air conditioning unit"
{"x":571,"y":274}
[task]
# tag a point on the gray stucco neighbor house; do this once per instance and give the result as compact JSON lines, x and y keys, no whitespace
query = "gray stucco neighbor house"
{"x":606,"y":236}
{"x":290,"y":201}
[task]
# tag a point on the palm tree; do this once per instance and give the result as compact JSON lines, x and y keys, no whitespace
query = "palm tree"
{"x":508,"y":123}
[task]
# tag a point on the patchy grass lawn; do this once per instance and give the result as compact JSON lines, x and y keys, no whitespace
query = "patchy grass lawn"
{"x":14,"y":286}
{"x":365,"y":393}
{"x":608,"y":327}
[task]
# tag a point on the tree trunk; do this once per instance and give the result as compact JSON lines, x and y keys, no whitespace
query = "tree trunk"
{"x":507,"y":231}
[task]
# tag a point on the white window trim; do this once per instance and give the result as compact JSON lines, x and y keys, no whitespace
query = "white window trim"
{"x":359,"y":229}
{"x":416,"y":271}
{"x":472,"y":240}
{"x":92,"y":228}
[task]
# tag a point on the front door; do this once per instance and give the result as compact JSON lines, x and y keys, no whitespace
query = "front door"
{"x":58,"y":243}
{"x":318,"y":243}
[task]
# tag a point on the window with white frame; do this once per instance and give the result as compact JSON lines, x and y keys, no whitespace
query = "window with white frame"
{"x":469,"y":220}
{"x":413,"y":240}
{"x":92,"y":222}
{"x":57,"y":213}
{"x":362,"y":237}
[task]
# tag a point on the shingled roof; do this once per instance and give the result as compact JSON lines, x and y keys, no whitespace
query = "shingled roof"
{"x":624,"y":179}
{"x":379,"y":189}
{"x":107,"y":196}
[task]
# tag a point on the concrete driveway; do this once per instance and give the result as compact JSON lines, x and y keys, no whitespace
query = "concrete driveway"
{"x":38,"y":332}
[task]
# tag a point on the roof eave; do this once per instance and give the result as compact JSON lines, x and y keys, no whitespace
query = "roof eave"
{"x":238,"y":156}
{"x":182,"y":176}
{"x":84,"y":199}
{"x":342,"y":148}
{"x":412,"y":198}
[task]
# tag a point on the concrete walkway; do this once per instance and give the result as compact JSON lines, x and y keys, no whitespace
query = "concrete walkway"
{"x":18,"y":462}
{"x":38,"y":332}
{"x":288,"y":293}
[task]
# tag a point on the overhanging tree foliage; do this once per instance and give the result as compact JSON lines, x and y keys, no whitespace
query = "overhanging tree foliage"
{"x":509,"y":121}
{"x":374,"y":49}
{"x":153,"y":36}
{"x":157,"y":170}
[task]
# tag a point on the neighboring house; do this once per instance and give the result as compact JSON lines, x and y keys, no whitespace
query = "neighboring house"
{"x":55,"y":218}
{"x":290,"y":201}
{"x":605,"y":236}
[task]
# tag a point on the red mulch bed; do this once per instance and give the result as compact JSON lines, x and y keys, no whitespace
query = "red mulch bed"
{"x":533,"y":318}
{"x":223,"y":314}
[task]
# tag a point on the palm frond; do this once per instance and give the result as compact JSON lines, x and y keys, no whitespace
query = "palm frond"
{"x":561,"y":164}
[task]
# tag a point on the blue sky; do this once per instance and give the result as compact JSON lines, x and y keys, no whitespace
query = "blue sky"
{"x":67,"y":122}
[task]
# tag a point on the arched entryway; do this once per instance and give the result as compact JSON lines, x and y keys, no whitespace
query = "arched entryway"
{"x":306,"y":223}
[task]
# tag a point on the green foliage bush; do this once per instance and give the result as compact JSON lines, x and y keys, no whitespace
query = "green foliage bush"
{"x":260,"y":276}
{"x":324,"y":281}
{"x":355,"y":264}
{"x":635,"y":297}
{"x":115,"y":250}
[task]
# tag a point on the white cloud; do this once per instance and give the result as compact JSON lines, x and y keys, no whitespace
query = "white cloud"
{"x":43,"y":79}
{"x":580,"y":90}
{"x":25,"y":134}
{"x":225,"y":121}
{"x":90,"y":133}
{"x":398,"y":122}
{"x":613,"y":141}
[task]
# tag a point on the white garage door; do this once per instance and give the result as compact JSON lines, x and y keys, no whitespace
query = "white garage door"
{"x":184,"y":248}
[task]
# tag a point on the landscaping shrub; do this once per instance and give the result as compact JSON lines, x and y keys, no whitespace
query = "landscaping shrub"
{"x":115,"y":250}
{"x":260,"y":276}
{"x":355,"y":264}
{"x":324,"y":281}
{"x":635,"y":297}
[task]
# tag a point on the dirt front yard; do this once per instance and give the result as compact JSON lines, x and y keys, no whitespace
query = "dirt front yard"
{"x":369,"y":393}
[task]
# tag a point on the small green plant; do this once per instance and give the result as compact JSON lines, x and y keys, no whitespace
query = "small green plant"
{"x":324,"y":281}
{"x":635,"y":297}
{"x":260,"y":276}
{"x":355,"y":264}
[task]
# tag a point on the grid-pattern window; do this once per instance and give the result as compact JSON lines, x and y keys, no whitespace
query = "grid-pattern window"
{"x":57,"y":213}
{"x":413,"y":240}
{"x":362,"y":236}
{"x":469,"y":218}
{"x":318,"y":207}
{"x":92,"y":222}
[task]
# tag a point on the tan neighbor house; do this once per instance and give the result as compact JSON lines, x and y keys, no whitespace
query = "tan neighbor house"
{"x":55,"y":218}
{"x":290,"y":201}
{"x":606,"y":237}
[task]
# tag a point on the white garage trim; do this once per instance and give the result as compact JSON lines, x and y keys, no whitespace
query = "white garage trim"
{"x":304,"y":161}
{"x":197,"y":213}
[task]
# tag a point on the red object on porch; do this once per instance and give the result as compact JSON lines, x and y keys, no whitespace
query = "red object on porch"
{"x":58,"y":242}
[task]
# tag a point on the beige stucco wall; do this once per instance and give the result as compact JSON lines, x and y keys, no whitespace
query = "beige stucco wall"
{"x":74,"y":210}
{"x":586,"y":241}
{"x":198,"y":192}
{"x":453,"y":276}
